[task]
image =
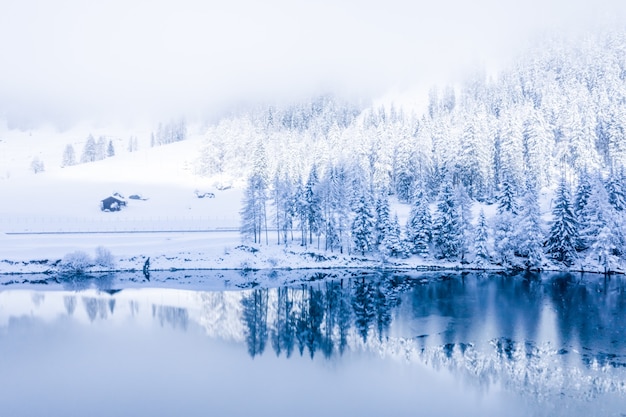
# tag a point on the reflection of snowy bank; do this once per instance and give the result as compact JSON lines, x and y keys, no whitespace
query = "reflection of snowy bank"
{"x":545,"y":337}
{"x":541,"y":372}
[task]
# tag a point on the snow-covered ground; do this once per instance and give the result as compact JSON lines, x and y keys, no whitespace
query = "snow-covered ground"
{"x":48,"y":215}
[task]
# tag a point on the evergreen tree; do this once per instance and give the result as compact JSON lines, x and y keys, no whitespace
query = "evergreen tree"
{"x":504,"y":238}
{"x":448,"y":234}
{"x":481,"y":251}
{"x":312,"y":199}
{"x":363,"y":226}
{"x":563,"y":237}
{"x":465,"y":220}
{"x":69,"y":156}
{"x":382,"y":223}
{"x":507,"y":199}
{"x":253,"y":215}
{"x":583,"y":191}
{"x":392,"y":244}
{"x":110,"y":149}
{"x":89,"y":150}
{"x":616,"y":191}
{"x":101,"y":148}
{"x":419,"y":225}
{"x":600,"y":230}
{"x":528,"y":234}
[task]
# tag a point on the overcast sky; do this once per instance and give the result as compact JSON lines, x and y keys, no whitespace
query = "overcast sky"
{"x":66,"y":60}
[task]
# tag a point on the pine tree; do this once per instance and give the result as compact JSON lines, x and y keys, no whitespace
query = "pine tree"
{"x":563,"y":237}
{"x":504,"y":237}
{"x":382,"y":223}
{"x":110,"y":149}
{"x":69,"y":156}
{"x":465,"y":220}
{"x":392,"y":244}
{"x":507,"y":199}
{"x":89,"y":150}
{"x":419,"y":225}
{"x":314,"y":216}
{"x":616,"y":191}
{"x":101,"y":148}
{"x":481,"y":251}
{"x":583,"y":191}
{"x":253,"y":215}
{"x":447,"y":230}
{"x":363,"y":226}
{"x":528,"y":236}
{"x":600,"y":231}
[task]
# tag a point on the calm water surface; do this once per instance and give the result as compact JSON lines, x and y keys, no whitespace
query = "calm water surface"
{"x":372,"y":345}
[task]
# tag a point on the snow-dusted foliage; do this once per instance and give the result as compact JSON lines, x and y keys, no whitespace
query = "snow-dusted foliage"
{"x":104,"y":258}
{"x":547,"y":117}
{"x":77,"y":262}
{"x":563,"y":238}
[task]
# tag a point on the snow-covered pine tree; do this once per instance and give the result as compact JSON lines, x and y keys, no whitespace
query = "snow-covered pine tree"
{"x":101,"y":147}
{"x":563,"y":237}
{"x":504,"y":230}
{"x":69,"y":156}
{"x":419,"y":225}
{"x":465,"y":220}
{"x":583,"y":191}
{"x":363,"y":226}
{"x":507,"y":198}
{"x":253,"y":215}
{"x":447,"y":229}
{"x":89,"y":150}
{"x":528,"y":236}
{"x":616,"y":191}
{"x":481,"y":251}
{"x":314,"y":215}
{"x":382,"y":222}
{"x":110,"y":149}
{"x":600,"y":230}
{"x":392,"y":244}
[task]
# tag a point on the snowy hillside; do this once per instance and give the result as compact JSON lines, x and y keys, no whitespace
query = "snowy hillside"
{"x":523,"y":171}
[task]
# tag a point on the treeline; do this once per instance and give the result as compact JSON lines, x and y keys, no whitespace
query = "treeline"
{"x":557,"y":115}
{"x":340,"y":208}
{"x":92,"y":151}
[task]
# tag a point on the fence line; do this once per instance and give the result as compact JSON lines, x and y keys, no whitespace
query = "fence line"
{"x":116,"y":224}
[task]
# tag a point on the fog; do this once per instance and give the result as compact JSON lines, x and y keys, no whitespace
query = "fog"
{"x":72,"y":60}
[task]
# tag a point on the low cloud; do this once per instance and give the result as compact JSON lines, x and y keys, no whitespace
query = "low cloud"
{"x":71,"y":60}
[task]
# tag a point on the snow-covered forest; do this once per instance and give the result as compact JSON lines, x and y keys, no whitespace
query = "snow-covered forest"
{"x":324,"y":173}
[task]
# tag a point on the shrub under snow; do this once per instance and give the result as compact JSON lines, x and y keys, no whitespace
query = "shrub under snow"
{"x":76,"y":262}
{"x":104,"y":258}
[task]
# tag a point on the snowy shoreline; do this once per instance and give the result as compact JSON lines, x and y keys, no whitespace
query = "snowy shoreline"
{"x":246,"y":258}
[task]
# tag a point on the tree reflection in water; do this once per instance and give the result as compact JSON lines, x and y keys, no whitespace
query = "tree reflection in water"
{"x":454,"y":318}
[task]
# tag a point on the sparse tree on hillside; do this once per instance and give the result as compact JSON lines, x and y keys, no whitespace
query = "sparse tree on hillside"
{"x":69,"y":156}
{"x":110,"y":149}
{"x":37,"y":165}
{"x":101,"y":148}
{"x":89,"y":150}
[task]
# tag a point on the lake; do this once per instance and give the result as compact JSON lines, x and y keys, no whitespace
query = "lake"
{"x":298,"y":343}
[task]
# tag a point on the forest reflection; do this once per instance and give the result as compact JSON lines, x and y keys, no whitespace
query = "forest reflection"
{"x":588,"y":313}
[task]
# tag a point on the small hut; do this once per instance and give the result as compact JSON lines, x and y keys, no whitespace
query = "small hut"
{"x":112,"y":203}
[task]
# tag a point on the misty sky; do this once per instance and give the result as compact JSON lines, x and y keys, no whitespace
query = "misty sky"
{"x":67,"y":60}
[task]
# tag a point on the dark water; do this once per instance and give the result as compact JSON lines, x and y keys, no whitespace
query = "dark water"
{"x":345,"y":345}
